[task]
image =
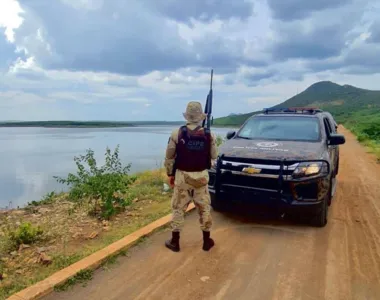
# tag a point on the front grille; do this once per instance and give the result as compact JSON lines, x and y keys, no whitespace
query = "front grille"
{"x":257,"y":182}
{"x":252,"y":181}
{"x":239,"y":168}
{"x":267,"y":167}
{"x":272,"y":177}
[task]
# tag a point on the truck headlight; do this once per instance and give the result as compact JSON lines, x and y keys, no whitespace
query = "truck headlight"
{"x":310,"y":169}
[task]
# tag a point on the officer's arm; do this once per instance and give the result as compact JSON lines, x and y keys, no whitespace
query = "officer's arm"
{"x":170,"y":154}
{"x":214,"y":148}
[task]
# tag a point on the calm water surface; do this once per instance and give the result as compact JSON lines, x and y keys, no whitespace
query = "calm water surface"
{"x":30,"y":157}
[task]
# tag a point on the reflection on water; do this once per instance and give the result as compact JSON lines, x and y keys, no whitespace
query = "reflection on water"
{"x":30,"y":157}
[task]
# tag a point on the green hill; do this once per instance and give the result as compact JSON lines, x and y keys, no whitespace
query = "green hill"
{"x":343,"y":101}
{"x":235,"y":120}
{"x":357,"y":109}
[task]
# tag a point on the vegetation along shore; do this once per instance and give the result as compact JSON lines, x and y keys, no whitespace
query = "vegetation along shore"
{"x":103,"y":204}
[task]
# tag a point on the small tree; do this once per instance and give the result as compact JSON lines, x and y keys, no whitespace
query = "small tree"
{"x":104,"y":186}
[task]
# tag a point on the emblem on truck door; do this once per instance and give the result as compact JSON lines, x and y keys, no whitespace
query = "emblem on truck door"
{"x":250,"y":170}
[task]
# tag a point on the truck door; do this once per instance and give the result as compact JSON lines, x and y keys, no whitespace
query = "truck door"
{"x":330,"y":129}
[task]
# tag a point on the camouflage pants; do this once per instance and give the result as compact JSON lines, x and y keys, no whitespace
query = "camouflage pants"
{"x":181,"y":199}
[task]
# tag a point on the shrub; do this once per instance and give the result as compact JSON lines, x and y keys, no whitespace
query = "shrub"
{"x":26,"y":233}
{"x":372,"y":131}
{"x":104,"y":186}
{"x":47,"y":199}
{"x":219,"y":140}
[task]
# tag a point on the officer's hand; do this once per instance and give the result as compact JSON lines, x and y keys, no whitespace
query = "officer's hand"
{"x":213,"y":163}
{"x":171,"y":181}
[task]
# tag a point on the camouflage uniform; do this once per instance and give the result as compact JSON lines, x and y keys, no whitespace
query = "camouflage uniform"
{"x":190,"y":186}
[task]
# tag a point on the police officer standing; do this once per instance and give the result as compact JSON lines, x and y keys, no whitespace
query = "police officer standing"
{"x":189,"y":153}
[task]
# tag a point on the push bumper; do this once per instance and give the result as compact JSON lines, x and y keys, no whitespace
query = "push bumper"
{"x":266,"y":200}
{"x":280,"y":191}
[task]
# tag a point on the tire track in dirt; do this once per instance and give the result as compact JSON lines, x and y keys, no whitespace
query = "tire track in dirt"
{"x":354,"y":269}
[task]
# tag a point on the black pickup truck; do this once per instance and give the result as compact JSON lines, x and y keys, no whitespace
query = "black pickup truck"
{"x":284,"y":158}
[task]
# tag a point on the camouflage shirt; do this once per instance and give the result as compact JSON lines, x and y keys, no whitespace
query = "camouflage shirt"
{"x":171,"y":151}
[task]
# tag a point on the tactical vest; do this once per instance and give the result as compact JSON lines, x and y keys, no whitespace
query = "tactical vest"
{"x":193,"y":150}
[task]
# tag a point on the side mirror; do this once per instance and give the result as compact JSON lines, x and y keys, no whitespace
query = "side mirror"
{"x":230,"y":135}
{"x":336,"y":139}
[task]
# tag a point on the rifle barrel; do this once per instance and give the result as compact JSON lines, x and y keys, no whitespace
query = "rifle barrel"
{"x":208,"y":106}
{"x":212,"y":73}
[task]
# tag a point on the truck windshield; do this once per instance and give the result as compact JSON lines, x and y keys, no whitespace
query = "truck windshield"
{"x":281,"y":128}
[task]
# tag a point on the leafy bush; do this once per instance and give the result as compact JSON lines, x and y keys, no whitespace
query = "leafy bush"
{"x":47,"y":199}
{"x":26,"y":233}
{"x":366,"y":130}
{"x":219,"y":140}
{"x":372,"y":131}
{"x":104,"y":186}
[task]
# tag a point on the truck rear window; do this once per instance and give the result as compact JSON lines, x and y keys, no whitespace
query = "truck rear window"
{"x":281,"y":128}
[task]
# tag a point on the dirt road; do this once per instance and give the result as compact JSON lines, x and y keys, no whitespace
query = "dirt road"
{"x":266,"y":259}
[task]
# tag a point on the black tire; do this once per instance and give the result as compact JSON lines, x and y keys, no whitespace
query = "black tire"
{"x":217,"y":205}
{"x":332,"y":181}
{"x":321,"y":218}
{"x":337,"y":167}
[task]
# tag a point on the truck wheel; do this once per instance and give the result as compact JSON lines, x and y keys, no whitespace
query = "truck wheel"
{"x":217,"y":205}
{"x":320,"y":220}
{"x":337,"y":167}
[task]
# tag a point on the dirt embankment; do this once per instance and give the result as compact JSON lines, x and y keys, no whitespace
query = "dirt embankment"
{"x":263,"y":260}
{"x":68,"y":233}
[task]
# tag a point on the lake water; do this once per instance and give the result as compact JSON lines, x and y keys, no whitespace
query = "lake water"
{"x":30,"y":157}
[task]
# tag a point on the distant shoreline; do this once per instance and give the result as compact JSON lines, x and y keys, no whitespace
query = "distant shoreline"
{"x":85,"y":124}
{"x":97,"y":124}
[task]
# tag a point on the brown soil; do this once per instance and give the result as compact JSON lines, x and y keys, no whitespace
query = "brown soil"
{"x":70,"y":233}
{"x":263,"y":260}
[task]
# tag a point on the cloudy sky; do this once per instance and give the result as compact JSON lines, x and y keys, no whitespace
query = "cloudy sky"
{"x":145,"y":59}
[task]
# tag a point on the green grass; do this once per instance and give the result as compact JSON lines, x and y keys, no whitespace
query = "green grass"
{"x":366,"y":126}
{"x":82,"y":276}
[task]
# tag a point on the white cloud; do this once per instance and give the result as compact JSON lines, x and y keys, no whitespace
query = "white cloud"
{"x":84,"y":59}
{"x":10,"y":17}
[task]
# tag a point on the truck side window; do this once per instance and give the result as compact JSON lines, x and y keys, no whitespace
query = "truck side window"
{"x":332,"y":126}
{"x":327,"y":127}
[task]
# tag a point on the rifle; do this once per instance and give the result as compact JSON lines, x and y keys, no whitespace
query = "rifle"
{"x":208,"y":107}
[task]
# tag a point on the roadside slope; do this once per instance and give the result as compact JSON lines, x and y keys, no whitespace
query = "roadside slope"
{"x":263,"y":260}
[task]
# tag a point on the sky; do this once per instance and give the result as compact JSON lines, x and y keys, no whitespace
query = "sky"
{"x":145,"y":59}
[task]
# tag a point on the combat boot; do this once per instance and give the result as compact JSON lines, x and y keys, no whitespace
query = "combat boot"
{"x":173,"y":243}
{"x":208,"y":242}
